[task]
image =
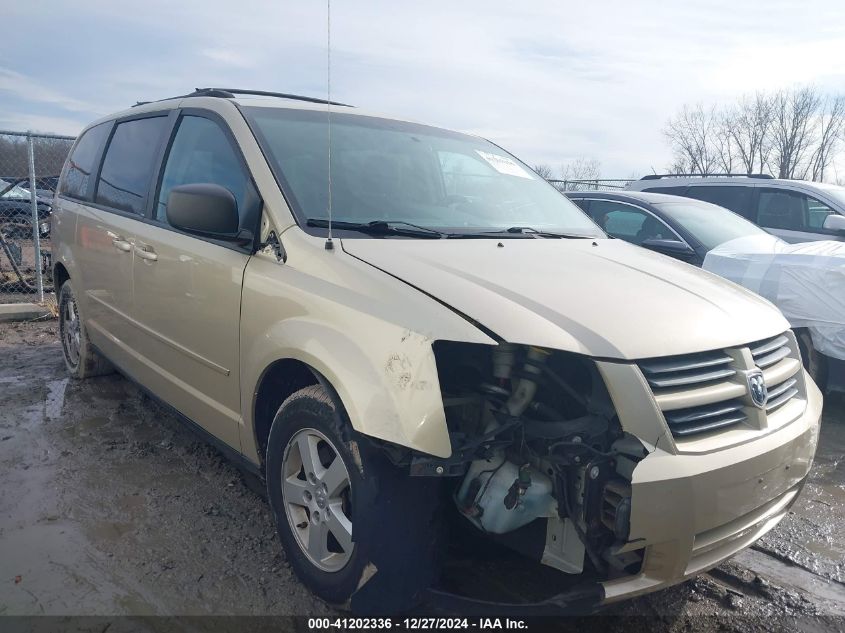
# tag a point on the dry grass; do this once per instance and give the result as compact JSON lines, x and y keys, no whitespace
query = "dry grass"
{"x":51,"y":304}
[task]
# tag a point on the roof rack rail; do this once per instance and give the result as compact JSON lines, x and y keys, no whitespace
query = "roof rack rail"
{"x":659,"y":176}
{"x":229,"y":93}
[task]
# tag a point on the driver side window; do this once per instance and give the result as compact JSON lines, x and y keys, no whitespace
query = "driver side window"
{"x":629,"y":223}
{"x":201,"y":153}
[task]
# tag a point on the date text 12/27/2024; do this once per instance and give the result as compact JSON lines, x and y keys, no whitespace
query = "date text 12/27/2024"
{"x":416,"y":624}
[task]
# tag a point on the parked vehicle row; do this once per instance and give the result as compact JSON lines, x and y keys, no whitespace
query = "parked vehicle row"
{"x":409,"y":334}
{"x":692,"y":231}
{"x":16,"y":207}
{"x":794,"y":210}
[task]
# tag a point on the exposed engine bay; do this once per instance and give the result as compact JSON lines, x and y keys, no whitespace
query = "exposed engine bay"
{"x":540,"y":462}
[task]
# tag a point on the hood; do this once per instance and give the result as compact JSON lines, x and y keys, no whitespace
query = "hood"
{"x":603,"y":298}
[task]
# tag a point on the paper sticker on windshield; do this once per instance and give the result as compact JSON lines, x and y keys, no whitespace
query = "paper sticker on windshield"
{"x":504,"y":164}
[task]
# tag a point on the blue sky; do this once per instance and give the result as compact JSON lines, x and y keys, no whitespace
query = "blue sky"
{"x":550,"y":81}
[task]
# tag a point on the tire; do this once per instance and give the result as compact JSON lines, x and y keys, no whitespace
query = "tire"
{"x":80,"y":357}
{"x":393,"y":552}
{"x":814,"y":362}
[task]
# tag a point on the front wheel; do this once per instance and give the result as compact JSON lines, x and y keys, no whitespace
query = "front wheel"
{"x":356,"y":530}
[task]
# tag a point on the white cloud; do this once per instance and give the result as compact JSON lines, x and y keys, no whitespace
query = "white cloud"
{"x":44,"y":124}
{"x":228,"y":57}
{"x":548,"y":80}
{"x":32,"y":90}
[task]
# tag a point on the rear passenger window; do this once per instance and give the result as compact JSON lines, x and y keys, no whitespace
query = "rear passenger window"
{"x":128,"y":165}
{"x":734,"y":197}
{"x":80,"y":163}
{"x":202,"y":153}
{"x":791,"y":210}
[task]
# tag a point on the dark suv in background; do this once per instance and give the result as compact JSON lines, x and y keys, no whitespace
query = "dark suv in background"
{"x":794,"y":210}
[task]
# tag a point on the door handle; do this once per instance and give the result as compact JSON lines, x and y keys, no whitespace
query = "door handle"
{"x":119,"y":242}
{"x":146,"y":252}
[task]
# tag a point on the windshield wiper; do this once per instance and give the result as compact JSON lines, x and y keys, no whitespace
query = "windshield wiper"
{"x":528,"y":230}
{"x":382,"y":227}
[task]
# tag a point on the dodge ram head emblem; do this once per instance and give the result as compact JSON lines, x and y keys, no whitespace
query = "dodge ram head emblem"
{"x":757,"y":388}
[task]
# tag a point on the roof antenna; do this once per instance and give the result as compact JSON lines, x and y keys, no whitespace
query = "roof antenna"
{"x":329,"y":243}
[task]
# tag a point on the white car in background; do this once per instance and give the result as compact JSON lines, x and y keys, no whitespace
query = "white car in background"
{"x":806,"y":281}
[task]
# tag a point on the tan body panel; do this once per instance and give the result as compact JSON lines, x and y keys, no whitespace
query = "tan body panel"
{"x":368,"y":334}
{"x":581,"y":295}
{"x":690,"y":512}
{"x":103,"y":264}
{"x":187,"y":339}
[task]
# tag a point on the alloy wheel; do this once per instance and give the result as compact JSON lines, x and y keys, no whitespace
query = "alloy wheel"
{"x":71,"y":332}
{"x":316,"y":492}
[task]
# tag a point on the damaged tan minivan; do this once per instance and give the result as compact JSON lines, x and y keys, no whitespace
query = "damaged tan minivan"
{"x":416,"y":341}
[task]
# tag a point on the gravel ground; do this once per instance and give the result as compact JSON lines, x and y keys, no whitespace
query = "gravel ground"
{"x":110,"y":506}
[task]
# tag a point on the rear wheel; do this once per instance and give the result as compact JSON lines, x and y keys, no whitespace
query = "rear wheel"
{"x":80,"y":357}
{"x":356,"y":530}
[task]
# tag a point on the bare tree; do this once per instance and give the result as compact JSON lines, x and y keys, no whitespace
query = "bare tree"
{"x":724,"y":147}
{"x":748,"y":124}
{"x":691,"y":135}
{"x":794,"y":133}
{"x":544,"y":171}
{"x":794,"y":121}
{"x":831,"y":125}
{"x":581,"y":168}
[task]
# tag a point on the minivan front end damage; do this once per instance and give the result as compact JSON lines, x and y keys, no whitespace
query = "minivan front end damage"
{"x":581,"y":465}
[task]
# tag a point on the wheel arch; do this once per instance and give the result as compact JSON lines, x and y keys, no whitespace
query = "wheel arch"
{"x":387,"y":385}
{"x":278,"y":381}
{"x":60,"y":276}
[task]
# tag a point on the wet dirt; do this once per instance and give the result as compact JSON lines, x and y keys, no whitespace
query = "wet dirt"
{"x":109,"y":505}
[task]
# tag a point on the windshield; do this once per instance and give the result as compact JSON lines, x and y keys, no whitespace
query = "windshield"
{"x":391,"y":171}
{"x":710,"y":224}
{"x":17,"y":192}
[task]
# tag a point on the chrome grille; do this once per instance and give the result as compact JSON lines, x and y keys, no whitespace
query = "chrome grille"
{"x":687,"y":370}
{"x":706,"y":392}
{"x":705,"y":418}
{"x":767,"y":353}
{"x":782,"y":393}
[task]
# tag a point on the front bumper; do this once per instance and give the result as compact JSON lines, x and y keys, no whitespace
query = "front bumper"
{"x":692,"y":511}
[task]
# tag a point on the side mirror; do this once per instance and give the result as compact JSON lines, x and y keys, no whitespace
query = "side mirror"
{"x":835,"y":222}
{"x":205,"y":209}
{"x":673,"y":248}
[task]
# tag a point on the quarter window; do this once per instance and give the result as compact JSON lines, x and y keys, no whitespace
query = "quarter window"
{"x":80,"y":163}
{"x":201,"y":153}
{"x":128,"y":165}
{"x":675,"y":191}
{"x":583,"y":203}
{"x":629,"y":223}
{"x":790,"y":210}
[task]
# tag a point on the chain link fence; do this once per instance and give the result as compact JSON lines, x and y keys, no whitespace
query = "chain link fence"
{"x":29,"y":173}
{"x":590,"y":185}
